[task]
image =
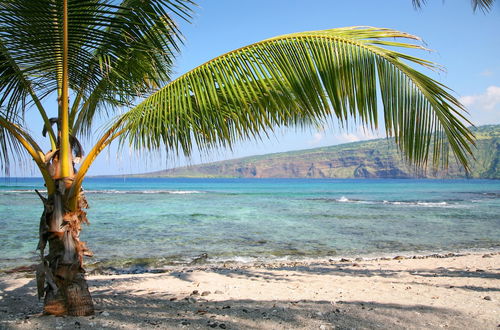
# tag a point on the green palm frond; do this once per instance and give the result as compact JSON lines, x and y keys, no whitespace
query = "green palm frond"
{"x":138,"y":67}
{"x":13,"y":89}
{"x":303,"y":79}
{"x":15,"y":141}
{"x":103,"y":35}
{"x":9,"y":147}
{"x":133,"y":74}
{"x":484,"y":5}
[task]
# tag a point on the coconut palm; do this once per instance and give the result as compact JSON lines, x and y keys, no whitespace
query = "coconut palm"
{"x":100,"y":56}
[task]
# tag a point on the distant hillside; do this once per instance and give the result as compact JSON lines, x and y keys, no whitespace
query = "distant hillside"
{"x":367,"y":159}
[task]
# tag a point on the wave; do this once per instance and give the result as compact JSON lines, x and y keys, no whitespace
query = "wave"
{"x":156,"y":192}
{"x":21,"y":191}
{"x":344,"y":199}
{"x":159,"y":191}
{"x":426,"y":204}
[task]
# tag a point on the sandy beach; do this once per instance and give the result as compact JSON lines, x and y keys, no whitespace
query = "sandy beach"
{"x":454,"y":291}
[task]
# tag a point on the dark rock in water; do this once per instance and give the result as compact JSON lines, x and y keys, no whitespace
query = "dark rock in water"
{"x":399,"y":258}
{"x":222,"y":326}
{"x":358,"y":259}
{"x":106,"y":271}
{"x":21,"y":269}
{"x":205,"y":293}
{"x":136,"y":269}
{"x":195,"y":293}
{"x":345,"y":260}
{"x":156,"y":271}
{"x":487,"y":256}
{"x":202,"y":258}
{"x":440,"y":256}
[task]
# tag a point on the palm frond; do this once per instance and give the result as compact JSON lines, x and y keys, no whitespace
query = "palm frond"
{"x":133,"y":74}
{"x":304,"y":79}
{"x":102,"y":35}
{"x":16,"y":144}
{"x":484,"y":5}
{"x":10,"y":148}
{"x":15,"y":88}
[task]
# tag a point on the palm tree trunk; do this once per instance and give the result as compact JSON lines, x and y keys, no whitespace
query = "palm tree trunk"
{"x":61,"y":277}
{"x":66,"y":292}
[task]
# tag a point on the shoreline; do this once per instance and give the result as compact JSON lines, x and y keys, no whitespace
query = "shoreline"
{"x":204,"y":262}
{"x":287,"y":261}
{"x":454,"y":291}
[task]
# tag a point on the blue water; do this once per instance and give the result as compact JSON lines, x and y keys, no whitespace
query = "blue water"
{"x":165,"y":221}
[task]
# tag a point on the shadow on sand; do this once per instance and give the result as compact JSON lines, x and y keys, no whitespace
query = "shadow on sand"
{"x":20,"y":309}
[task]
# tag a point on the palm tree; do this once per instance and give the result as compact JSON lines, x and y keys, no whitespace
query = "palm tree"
{"x":484,"y":5}
{"x":100,"y":56}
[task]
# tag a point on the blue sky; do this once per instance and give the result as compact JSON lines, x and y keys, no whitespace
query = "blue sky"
{"x":467,"y":44}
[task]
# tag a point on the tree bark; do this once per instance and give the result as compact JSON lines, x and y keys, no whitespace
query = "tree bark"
{"x":60,"y":276}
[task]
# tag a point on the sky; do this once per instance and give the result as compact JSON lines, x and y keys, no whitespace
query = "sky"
{"x":467,"y":44}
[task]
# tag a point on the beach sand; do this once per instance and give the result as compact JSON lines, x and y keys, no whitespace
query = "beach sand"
{"x":432,"y":292}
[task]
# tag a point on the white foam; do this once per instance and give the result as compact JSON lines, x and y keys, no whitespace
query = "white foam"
{"x":182,"y":192}
{"x":143,"y":192}
{"x":416,"y":204}
{"x":431,"y":204}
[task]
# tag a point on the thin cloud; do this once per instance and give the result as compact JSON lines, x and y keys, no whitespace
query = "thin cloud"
{"x":316,"y":139}
{"x":359,"y":135}
{"x":484,"y":108}
{"x":487,"y":73}
{"x":328,"y":136}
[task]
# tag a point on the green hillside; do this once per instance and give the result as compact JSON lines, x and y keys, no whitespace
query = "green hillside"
{"x":367,"y":159}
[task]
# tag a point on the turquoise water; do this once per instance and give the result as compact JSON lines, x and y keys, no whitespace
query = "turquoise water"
{"x":163,"y":221}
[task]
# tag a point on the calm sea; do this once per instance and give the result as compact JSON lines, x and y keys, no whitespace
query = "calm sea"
{"x":157,"y":222}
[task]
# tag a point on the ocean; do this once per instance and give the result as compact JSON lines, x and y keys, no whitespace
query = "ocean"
{"x":152,"y":223}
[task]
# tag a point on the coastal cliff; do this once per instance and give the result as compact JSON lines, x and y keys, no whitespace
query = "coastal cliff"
{"x":378,"y":158}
